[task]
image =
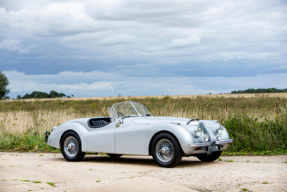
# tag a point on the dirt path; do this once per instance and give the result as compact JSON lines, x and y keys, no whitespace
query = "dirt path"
{"x":139,"y":173}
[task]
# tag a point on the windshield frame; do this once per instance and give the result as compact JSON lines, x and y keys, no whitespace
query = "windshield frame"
{"x":136,"y":110}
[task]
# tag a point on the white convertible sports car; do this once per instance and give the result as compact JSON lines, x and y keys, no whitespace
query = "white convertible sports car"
{"x":131,"y":129}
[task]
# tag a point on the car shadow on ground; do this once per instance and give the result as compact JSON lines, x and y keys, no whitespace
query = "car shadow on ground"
{"x":135,"y":160}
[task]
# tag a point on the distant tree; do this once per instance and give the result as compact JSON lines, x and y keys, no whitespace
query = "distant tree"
{"x":260,"y":90}
{"x":4,"y":82}
{"x":39,"y":94}
{"x":26,"y":96}
{"x":54,"y":94}
{"x":19,"y":97}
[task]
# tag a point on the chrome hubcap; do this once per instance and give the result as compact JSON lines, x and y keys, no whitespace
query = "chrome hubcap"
{"x":71,"y":146}
{"x":164,"y":150}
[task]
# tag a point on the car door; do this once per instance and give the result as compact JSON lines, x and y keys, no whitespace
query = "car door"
{"x":101,"y":139}
{"x":131,"y":138}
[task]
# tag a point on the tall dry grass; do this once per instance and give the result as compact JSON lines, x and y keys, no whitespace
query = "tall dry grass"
{"x":244,"y":95}
{"x":18,"y":121}
{"x":256,"y":124}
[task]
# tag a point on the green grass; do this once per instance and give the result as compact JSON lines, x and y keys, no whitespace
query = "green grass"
{"x":98,"y":181}
{"x":244,"y":189}
{"x":229,"y":160}
{"x":37,"y":181}
{"x":50,"y":183}
{"x":219,"y":159}
{"x":265,"y":182}
{"x":25,"y":180}
{"x":256,"y":162}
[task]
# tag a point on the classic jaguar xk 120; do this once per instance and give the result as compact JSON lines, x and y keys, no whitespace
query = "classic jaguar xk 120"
{"x":131,"y":129}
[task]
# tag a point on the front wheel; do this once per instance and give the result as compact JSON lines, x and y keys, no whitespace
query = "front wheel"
{"x":209,"y":157}
{"x":166,"y":150}
{"x":71,"y":147}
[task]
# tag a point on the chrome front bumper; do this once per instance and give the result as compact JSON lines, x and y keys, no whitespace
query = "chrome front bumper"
{"x":197,"y":148}
{"x":214,"y":143}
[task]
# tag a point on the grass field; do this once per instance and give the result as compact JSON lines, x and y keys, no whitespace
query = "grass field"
{"x":249,"y":95}
{"x":258,"y":123}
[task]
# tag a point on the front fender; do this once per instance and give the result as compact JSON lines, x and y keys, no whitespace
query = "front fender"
{"x":55,"y":137}
{"x":182,"y":135}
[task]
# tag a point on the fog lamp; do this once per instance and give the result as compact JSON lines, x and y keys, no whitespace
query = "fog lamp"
{"x":206,"y":137}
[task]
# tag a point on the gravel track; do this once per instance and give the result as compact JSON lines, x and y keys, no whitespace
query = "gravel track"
{"x":140,"y":173}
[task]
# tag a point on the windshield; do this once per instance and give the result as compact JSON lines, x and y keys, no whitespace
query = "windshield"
{"x":142,"y":110}
{"x":111,"y":113}
{"x":130,"y":108}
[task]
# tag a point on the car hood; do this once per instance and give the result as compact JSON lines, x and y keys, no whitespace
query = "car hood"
{"x":154,"y":120}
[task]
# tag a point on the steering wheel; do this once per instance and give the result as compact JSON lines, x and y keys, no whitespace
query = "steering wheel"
{"x":120,"y":114}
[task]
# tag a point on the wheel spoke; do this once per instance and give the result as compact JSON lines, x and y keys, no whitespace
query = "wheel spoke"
{"x":165,"y":150}
{"x":71,"y":146}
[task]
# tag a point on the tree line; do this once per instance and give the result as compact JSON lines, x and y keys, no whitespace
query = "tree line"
{"x":4,"y":91}
{"x":260,"y":90}
{"x":39,"y":94}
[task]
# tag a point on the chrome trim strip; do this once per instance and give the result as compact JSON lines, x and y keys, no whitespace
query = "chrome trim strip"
{"x":224,"y":141}
{"x":199,"y":144}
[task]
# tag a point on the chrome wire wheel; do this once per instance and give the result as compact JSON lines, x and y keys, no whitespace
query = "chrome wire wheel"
{"x":164,"y":150}
{"x":71,"y":146}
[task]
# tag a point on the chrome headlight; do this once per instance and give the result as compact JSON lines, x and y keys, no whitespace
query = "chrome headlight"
{"x":220,"y":130}
{"x":198,"y":131}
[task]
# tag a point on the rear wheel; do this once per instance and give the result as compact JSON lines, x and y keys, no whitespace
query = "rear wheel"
{"x":113,"y":155}
{"x":71,"y":147}
{"x":209,"y":157}
{"x":166,"y":150}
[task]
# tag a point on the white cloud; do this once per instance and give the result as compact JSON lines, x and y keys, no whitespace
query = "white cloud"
{"x":143,"y":39}
{"x":28,"y":49}
{"x":117,"y":39}
{"x":10,"y":45}
{"x":96,"y":83}
{"x":14,"y":45}
{"x":191,"y":40}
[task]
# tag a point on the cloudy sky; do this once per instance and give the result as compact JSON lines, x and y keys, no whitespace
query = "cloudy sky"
{"x":144,"y":47}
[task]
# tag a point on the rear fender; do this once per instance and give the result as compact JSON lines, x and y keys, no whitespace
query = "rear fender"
{"x":56,"y":136}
